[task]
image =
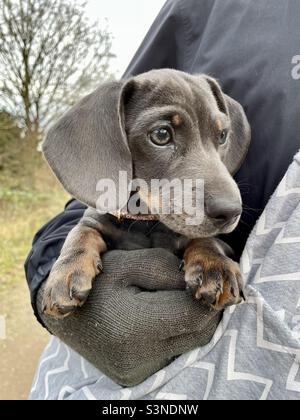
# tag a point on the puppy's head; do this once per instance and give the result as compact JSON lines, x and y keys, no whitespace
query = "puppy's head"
{"x":163,"y":124}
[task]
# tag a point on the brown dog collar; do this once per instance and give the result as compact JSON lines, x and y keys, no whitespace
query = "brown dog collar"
{"x":141,"y":217}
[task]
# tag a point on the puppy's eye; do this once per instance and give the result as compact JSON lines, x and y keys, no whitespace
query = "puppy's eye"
{"x":161,"y":136}
{"x":223,"y":137}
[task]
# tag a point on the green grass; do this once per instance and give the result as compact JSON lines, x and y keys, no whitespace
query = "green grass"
{"x":28,"y":199}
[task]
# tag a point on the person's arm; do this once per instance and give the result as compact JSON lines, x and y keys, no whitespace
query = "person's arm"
{"x":138,"y":316}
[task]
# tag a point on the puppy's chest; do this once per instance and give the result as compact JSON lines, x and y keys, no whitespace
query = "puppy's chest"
{"x":131,"y":235}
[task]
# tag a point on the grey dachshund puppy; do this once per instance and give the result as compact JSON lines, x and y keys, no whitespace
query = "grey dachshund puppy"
{"x":163,"y":124}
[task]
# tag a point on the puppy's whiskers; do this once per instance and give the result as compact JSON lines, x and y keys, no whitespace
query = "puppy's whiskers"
{"x":245,"y":224}
{"x":251,"y":209}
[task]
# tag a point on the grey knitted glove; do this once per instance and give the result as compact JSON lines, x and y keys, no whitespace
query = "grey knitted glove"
{"x":138,"y":317}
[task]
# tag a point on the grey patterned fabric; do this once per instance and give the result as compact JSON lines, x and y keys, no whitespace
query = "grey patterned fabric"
{"x":255,"y":352}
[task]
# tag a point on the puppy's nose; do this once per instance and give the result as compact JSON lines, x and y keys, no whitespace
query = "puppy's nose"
{"x":223,"y":211}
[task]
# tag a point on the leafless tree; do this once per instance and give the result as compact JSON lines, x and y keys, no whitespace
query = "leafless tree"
{"x":50,"y":54}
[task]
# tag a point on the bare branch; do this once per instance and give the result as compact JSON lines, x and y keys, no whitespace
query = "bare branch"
{"x":49,"y":55}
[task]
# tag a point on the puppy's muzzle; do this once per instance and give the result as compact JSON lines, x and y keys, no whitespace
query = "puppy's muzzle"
{"x":223,"y":212}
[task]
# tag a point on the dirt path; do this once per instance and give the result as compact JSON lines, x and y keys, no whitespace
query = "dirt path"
{"x":25,"y":340}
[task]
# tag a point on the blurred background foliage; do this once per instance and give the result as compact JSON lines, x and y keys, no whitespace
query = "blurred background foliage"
{"x":50,"y":56}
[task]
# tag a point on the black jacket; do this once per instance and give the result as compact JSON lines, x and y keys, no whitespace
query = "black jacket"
{"x":250,"y":47}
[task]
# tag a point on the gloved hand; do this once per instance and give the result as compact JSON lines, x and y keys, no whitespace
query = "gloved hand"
{"x":138,"y":317}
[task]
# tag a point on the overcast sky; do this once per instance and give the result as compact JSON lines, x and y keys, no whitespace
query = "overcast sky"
{"x":128,"y":21}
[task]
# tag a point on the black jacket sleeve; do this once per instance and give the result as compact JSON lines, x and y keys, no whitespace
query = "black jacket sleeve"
{"x":47,"y":244}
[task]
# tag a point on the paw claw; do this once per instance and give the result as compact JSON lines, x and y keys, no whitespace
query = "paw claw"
{"x":81,"y":295}
{"x":99,"y":265}
{"x":181,"y":265}
{"x":198,"y":294}
{"x":243,"y":295}
{"x":200,"y":280}
{"x":220,"y":288}
{"x":66,"y":309}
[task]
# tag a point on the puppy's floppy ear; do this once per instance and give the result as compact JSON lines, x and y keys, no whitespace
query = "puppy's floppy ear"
{"x":234,"y":152}
{"x":89,"y":143}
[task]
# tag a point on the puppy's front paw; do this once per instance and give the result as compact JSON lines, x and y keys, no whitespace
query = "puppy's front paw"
{"x":69,"y":284}
{"x":217,"y":281}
